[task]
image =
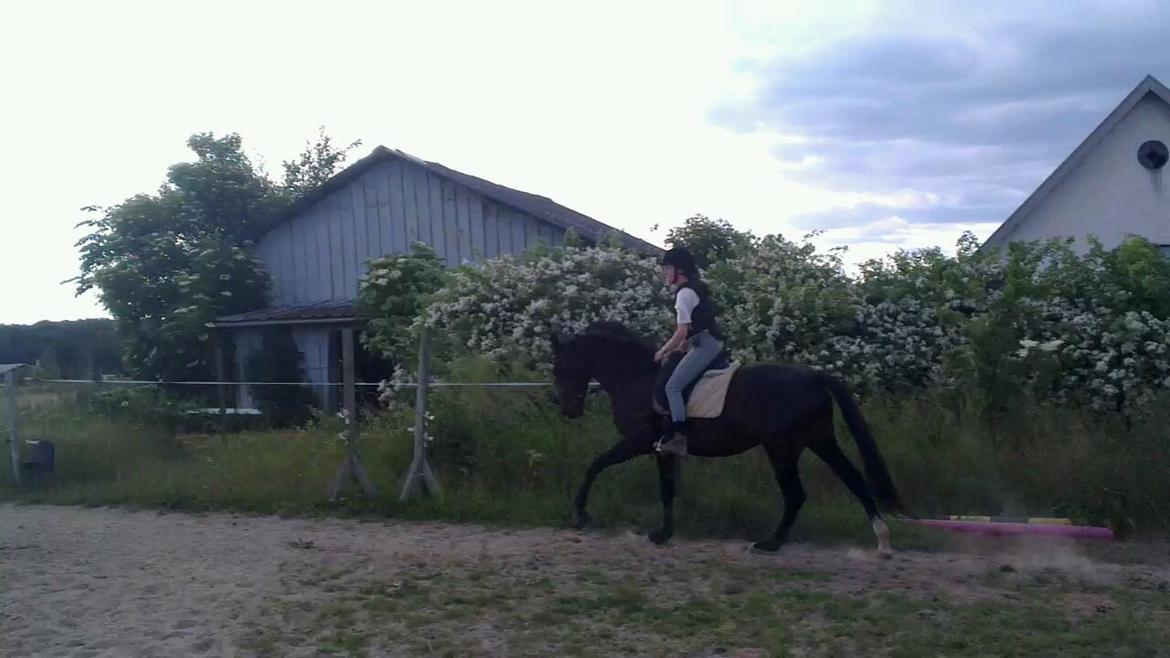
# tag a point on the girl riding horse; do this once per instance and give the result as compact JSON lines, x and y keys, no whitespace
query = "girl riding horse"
{"x":697,"y":328}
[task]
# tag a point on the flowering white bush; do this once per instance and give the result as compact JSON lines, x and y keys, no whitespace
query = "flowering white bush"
{"x":1101,"y":359}
{"x":785,"y":302}
{"x":506,"y":309}
{"x":1091,"y":329}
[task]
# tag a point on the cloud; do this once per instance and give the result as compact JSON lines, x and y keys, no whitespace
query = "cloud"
{"x":962,"y":106}
{"x":870,"y":214}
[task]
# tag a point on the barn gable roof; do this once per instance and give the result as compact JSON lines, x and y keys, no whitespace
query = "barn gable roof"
{"x":323,"y":312}
{"x":1149,"y":85}
{"x":535,"y":205}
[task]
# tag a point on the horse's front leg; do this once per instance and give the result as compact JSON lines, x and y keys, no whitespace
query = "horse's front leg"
{"x":667,"y":473}
{"x":622,"y":451}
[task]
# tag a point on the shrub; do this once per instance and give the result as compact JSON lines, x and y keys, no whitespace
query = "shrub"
{"x":506,"y":309}
{"x":1038,"y":319}
{"x":391,"y":295}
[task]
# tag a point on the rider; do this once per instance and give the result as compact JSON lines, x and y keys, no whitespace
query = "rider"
{"x":697,"y":327}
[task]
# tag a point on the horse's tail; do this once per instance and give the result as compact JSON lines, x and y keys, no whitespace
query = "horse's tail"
{"x":881,"y":485}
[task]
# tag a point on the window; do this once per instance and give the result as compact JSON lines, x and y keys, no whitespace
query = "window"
{"x":1153,"y":155}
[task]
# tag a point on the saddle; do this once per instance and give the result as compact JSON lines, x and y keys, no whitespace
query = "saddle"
{"x":704,"y":397}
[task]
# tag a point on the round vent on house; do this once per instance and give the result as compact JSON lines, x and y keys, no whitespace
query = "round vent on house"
{"x":1153,"y":155}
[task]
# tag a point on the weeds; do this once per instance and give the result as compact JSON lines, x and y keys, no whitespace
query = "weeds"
{"x":508,"y":457}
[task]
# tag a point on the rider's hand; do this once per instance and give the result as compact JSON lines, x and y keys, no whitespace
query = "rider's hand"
{"x":659,"y":356}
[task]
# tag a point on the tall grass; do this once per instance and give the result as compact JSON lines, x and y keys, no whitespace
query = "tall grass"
{"x":507,"y":456}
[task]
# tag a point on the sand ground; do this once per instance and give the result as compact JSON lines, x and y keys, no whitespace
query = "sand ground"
{"x":112,"y":582}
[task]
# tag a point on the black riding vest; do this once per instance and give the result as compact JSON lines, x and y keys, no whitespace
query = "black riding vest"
{"x":703,"y":316}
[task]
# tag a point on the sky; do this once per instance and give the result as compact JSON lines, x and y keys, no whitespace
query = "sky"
{"x":885,"y":126}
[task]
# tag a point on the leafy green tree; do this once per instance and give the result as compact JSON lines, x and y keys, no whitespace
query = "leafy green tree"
{"x":74,"y":349}
{"x":166,"y":264}
{"x":710,"y":241}
{"x":314,"y":165}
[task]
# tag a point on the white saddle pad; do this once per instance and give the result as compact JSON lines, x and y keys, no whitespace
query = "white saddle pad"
{"x":710,"y":392}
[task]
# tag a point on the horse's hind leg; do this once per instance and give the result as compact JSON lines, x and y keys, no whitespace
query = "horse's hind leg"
{"x":830,"y":453}
{"x":787,"y":475}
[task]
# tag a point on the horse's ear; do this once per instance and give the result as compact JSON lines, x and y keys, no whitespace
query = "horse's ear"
{"x":555,"y":341}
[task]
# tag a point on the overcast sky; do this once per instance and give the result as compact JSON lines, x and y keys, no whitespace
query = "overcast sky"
{"x":892,"y":125}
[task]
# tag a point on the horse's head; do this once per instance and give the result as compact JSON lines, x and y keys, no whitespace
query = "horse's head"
{"x":570,"y":376}
{"x":607,"y":352}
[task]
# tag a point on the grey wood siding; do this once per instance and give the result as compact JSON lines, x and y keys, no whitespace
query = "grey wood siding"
{"x":321,"y":253}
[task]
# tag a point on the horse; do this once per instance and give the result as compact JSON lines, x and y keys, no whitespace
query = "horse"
{"x":784,"y":408}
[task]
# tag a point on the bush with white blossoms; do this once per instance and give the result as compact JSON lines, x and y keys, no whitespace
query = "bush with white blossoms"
{"x":506,"y":309}
{"x":1088,"y":329}
{"x":1097,"y":358}
{"x":1091,"y":329}
{"x":783,"y":301}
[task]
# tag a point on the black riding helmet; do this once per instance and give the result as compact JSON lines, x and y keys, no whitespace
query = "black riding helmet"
{"x":681,"y":260}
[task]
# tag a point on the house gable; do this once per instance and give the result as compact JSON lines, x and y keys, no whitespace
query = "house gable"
{"x":1101,"y":189}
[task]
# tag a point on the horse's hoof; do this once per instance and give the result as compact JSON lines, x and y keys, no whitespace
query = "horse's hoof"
{"x":582,"y":519}
{"x":660,"y":537}
{"x":769,"y":547}
{"x":885,"y":553}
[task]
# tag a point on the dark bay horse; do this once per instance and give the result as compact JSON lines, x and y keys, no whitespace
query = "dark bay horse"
{"x":783,"y":408}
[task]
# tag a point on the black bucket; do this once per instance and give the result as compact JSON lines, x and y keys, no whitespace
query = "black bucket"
{"x":38,"y":461}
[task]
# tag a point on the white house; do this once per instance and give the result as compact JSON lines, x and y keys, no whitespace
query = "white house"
{"x":1112,"y":186}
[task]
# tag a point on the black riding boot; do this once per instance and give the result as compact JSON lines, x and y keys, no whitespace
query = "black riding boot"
{"x":677,"y":442}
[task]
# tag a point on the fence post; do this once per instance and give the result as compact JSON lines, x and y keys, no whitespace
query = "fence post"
{"x":351,"y":467}
{"x":13,"y":438}
{"x":97,"y":381}
{"x":221,"y":376}
{"x":421,"y":477}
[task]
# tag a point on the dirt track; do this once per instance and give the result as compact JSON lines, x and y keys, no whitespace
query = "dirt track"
{"x":107,"y":582}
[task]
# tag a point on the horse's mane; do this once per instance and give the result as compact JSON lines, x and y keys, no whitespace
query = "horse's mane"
{"x":619,"y":340}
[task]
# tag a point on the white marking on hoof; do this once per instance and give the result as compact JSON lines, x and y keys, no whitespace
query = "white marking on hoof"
{"x":883,"y":536}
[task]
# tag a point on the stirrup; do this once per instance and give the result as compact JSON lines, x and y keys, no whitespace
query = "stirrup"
{"x":679,"y":450}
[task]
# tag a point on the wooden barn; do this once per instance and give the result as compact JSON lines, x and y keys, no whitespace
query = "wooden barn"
{"x":317,"y":251}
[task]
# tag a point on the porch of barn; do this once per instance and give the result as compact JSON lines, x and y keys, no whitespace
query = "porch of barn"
{"x":316,"y":331}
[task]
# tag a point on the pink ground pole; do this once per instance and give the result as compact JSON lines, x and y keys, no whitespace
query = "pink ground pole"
{"x":996,"y":528}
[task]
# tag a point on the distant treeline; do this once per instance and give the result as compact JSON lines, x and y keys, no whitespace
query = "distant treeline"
{"x":74,"y":349}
